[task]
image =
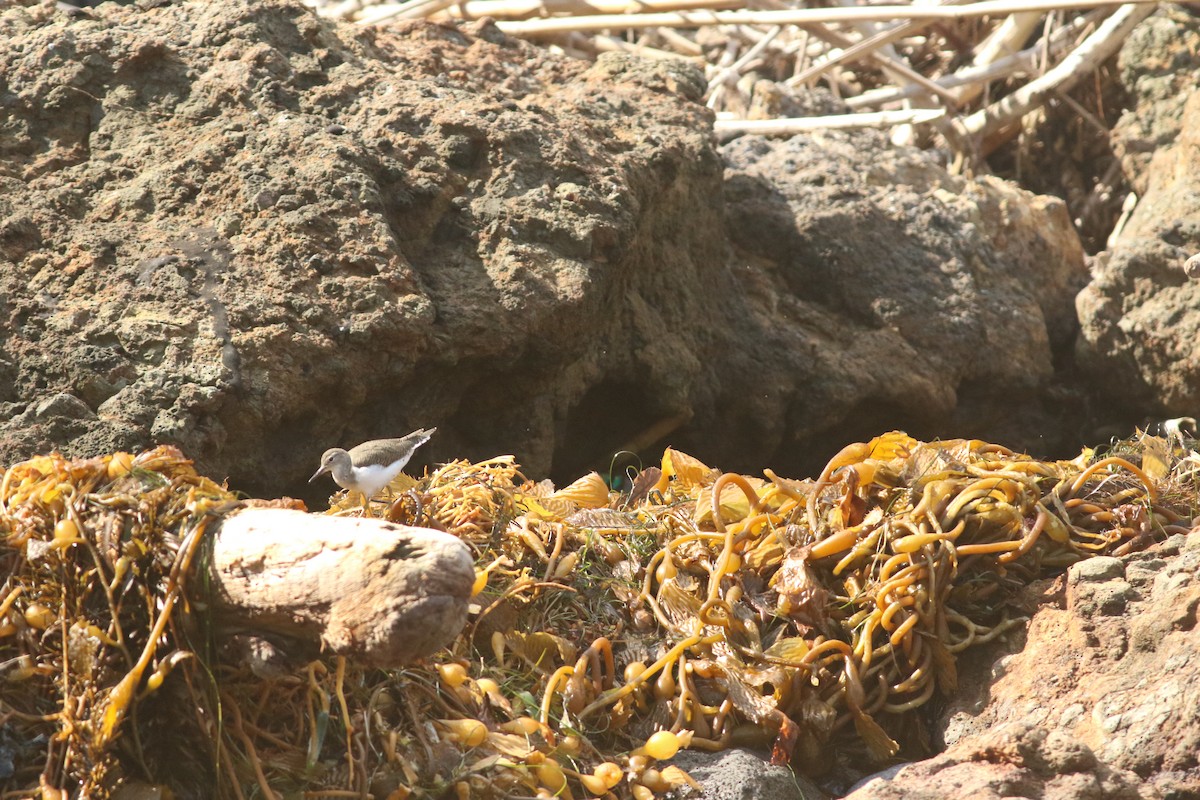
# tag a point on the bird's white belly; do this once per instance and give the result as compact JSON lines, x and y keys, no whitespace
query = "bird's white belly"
{"x":370,"y":480}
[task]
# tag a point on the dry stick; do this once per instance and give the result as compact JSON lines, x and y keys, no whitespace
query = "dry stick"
{"x":604,"y":44}
{"x":728,"y":56}
{"x":1003,"y":41}
{"x":789,"y":126}
{"x":680,"y":42}
{"x":734,"y":71}
{"x":862,"y":47}
{"x":1083,"y":112}
{"x":343,"y":10}
{"x":801,"y":16}
{"x":576,"y":45}
{"x":413,"y":9}
{"x":902,"y":134}
{"x":519,"y":9}
{"x":902,"y":70}
{"x":802,"y":53}
{"x":1082,"y":60}
{"x":1016,"y":63}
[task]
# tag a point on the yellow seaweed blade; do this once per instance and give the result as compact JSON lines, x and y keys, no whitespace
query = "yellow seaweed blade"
{"x":118,"y":701}
{"x":606,"y":521}
{"x":402,"y":483}
{"x":1156,"y":456}
{"x":542,"y":648}
{"x":590,"y":491}
{"x":1057,"y":530}
{"x":792,"y":648}
{"x":1085,"y":457}
{"x":896,"y":444}
{"x":945,"y":669}
{"x":685,"y":471}
{"x":545,"y":508}
{"x":881,"y":745}
{"x":734,"y":503}
{"x":768,"y":553}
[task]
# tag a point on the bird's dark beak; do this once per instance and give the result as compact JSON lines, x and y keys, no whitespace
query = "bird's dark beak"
{"x":319,"y":473}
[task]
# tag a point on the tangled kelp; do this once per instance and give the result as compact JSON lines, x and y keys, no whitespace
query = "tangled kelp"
{"x":725,"y":608}
{"x":96,"y":554}
{"x":696,"y":609}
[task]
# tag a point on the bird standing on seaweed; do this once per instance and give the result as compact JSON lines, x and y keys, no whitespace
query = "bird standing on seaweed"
{"x":369,"y":467}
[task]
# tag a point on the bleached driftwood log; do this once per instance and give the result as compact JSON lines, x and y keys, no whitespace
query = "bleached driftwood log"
{"x":380,"y":593}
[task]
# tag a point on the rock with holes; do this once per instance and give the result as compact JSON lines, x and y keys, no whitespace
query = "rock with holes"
{"x":256,"y":234}
{"x":1140,"y":315}
{"x":1100,"y":699}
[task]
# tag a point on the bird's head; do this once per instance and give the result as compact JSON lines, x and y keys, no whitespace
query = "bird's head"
{"x":330,"y":460}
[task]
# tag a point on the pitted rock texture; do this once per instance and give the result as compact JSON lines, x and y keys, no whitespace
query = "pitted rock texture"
{"x":1100,"y":700}
{"x":738,"y":774}
{"x":1140,"y":315}
{"x":892,"y":294}
{"x":256,"y":234}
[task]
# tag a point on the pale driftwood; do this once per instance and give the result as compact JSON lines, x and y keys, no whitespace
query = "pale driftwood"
{"x":519,"y":9}
{"x":789,"y":126}
{"x":1081,"y":61}
{"x":1016,"y":64}
{"x":379,"y":593}
{"x":900,"y":70}
{"x":799,"y":16}
{"x":413,"y":9}
{"x":861,"y":48}
{"x":1002,"y":42}
{"x":733,"y":72}
{"x":681,"y":43}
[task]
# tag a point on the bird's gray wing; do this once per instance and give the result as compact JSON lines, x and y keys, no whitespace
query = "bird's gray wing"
{"x":376,"y":451}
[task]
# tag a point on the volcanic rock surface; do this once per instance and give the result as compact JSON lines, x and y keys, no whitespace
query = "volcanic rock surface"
{"x":890,"y":294}
{"x":256,"y":234}
{"x":1100,"y":700}
{"x":1140,"y":315}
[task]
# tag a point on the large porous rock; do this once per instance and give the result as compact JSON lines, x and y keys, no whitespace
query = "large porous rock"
{"x":1140,"y":315}
{"x":255,"y":233}
{"x":1011,"y":761}
{"x":1101,"y":700}
{"x":885,"y":292}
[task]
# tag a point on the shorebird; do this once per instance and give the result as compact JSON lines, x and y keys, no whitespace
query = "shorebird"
{"x":370,"y":466}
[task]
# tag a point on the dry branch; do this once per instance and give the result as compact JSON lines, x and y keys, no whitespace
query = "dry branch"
{"x":803,"y":16}
{"x":519,"y":9}
{"x":1017,"y":63}
{"x":899,"y":69}
{"x":793,"y":125}
{"x":1085,"y":58}
{"x":414,"y":9}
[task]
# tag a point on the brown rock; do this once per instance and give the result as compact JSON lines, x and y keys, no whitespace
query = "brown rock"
{"x":889,"y":293}
{"x":1016,"y":760}
{"x":1098,"y":701}
{"x":380,"y":593}
{"x":257,"y":234}
{"x":1139,"y":315}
